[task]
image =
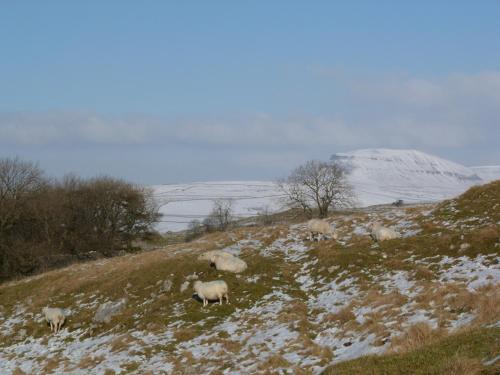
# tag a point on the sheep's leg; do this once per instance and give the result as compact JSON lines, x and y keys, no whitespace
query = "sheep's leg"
{"x":227,"y":298}
{"x":51,"y":326}
{"x":220,"y":299}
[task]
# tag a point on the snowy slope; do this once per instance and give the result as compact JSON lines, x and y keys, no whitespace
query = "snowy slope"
{"x":378,"y":175}
{"x":488,"y":173}
{"x":384,"y":175}
{"x":185,"y":202}
{"x":299,"y":306}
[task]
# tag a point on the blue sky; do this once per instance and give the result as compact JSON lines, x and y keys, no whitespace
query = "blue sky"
{"x":161,"y":91}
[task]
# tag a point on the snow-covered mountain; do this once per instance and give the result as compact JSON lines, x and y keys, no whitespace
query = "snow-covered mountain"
{"x":378,"y":175}
{"x":488,"y":173}
{"x":384,"y":175}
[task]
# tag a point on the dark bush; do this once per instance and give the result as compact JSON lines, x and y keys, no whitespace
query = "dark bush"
{"x":47,"y":223}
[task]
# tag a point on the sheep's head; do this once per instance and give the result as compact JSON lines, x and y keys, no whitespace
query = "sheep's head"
{"x":205,"y":256}
{"x":374,"y":226}
{"x":45,"y":309}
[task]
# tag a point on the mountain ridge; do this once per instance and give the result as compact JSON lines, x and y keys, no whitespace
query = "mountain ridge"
{"x":378,"y":175}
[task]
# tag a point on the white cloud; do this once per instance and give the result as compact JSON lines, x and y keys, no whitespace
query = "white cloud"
{"x":458,"y":110}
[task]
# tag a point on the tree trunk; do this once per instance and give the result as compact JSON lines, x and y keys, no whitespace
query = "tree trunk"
{"x":323,"y":211}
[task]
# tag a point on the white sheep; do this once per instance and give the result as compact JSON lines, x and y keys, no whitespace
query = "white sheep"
{"x":229,"y":263}
{"x":321,"y":228}
{"x":381,"y":233}
{"x":211,"y":290}
{"x":55,"y":317}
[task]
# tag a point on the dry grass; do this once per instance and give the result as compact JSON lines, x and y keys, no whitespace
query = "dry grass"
{"x":424,"y":273}
{"x":469,"y":347}
{"x":121,"y":342}
{"x":374,"y":323}
{"x":231,"y":346}
{"x":459,"y":365}
{"x":185,"y":334}
{"x":376,"y":298}
{"x":343,"y":316}
{"x":488,"y":304}
{"x":90,"y":361}
{"x":449,"y":294}
{"x":51,"y":364}
{"x":322,"y":352}
{"x":273,"y":362}
{"x":418,"y":335}
{"x":488,"y":233}
{"x":296,"y":315}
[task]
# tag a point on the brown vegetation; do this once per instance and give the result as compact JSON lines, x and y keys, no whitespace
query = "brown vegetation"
{"x":459,"y":365}
{"x":46,"y":223}
{"x":416,"y":336}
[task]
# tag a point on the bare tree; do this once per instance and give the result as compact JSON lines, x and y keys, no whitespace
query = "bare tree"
{"x":18,"y":177}
{"x":318,"y":184}
{"x":19,"y":180}
{"x":221,"y":216}
{"x":265,"y":216}
{"x":194,"y":230}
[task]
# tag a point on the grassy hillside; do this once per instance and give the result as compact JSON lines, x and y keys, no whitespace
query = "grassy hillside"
{"x":461,"y":353}
{"x":423,"y":300}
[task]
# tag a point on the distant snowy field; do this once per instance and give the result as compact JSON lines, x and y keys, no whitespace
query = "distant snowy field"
{"x":182,"y":203}
{"x":378,"y":176}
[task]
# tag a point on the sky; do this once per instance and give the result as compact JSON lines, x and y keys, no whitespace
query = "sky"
{"x":179,"y":91}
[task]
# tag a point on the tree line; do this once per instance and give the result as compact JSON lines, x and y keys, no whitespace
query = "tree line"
{"x":47,"y":222}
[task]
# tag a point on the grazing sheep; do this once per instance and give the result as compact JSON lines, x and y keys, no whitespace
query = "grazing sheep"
{"x":321,"y":228}
{"x":55,"y":317}
{"x":229,"y":263}
{"x":211,"y":290}
{"x":381,"y":233}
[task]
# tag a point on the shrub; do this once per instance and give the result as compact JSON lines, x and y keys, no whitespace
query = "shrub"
{"x":46,"y":223}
